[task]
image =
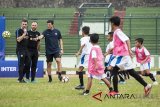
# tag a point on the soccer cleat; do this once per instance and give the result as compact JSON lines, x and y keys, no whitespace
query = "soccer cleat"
{"x":60,"y":77}
{"x":22,"y":81}
{"x":49,"y":81}
{"x":79,"y":87}
{"x":155,"y":83}
{"x":147,"y":90}
{"x":113,"y":93}
{"x":85,"y":93}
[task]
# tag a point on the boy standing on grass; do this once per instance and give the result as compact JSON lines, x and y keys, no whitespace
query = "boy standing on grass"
{"x":95,"y":65}
{"x":143,"y":57}
{"x":84,"y":51}
{"x":123,"y":61}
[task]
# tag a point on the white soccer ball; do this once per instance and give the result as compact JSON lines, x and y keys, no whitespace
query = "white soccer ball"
{"x":6,"y":34}
{"x":65,"y":79}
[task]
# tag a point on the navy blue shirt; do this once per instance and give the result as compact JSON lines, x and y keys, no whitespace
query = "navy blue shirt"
{"x":52,"y":38}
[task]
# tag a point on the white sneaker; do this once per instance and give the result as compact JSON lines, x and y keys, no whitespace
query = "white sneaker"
{"x":85,"y":94}
{"x":155,"y":83}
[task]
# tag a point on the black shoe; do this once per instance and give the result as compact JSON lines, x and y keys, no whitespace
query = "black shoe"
{"x":22,"y":81}
{"x":79,"y":87}
{"x":60,"y":77}
{"x":49,"y":81}
{"x":85,"y":93}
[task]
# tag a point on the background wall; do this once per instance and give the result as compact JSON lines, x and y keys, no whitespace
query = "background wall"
{"x":75,"y":3}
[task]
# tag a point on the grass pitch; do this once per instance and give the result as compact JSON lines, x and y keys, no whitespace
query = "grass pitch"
{"x":58,"y":94}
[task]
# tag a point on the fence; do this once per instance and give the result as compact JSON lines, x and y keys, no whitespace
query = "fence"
{"x":146,"y":27}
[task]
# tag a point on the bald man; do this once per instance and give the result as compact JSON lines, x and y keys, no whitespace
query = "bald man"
{"x":33,"y":47}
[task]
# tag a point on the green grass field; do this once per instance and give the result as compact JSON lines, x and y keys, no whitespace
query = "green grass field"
{"x":58,"y":94}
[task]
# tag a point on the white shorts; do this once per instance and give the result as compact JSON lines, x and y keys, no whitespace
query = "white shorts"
{"x":123,"y":62}
{"x":99,"y":77}
{"x":108,"y":59}
{"x":84,"y":61}
{"x":145,"y":66}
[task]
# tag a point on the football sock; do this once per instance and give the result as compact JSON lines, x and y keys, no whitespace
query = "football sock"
{"x":151,"y":76}
{"x":81,"y":78}
{"x":87,"y":91}
{"x":134,"y":74}
{"x":50,"y":77}
{"x":33,"y":73}
{"x":59,"y":73}
{"x":115,"y":78}
{"x":110,"y":89}
{"x":120,"y":77}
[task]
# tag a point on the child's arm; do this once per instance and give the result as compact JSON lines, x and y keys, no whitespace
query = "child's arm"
{"x":95,"y":61}
{"x":147,"y":55}
{"x":129,"y":47}
{"x":94,"y":57}
{"x":80,"y":50}
{"x":145,"y":59}
{"x":110,"y":51}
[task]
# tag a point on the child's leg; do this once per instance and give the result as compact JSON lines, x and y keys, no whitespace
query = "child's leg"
{"x":124,"y":74}
{"x":107,"y":83}
{"x":142,"y":73}
{"x":89,"y":84}
{"x":127,"y":73}
{"x":120,"y":74}
{"x":134,"y":74}
{"x":81,"y":75}
{"x":115,"y":78}
{"x":147,"y":73}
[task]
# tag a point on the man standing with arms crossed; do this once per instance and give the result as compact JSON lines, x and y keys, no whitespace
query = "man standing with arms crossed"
{"x":53,"y":47}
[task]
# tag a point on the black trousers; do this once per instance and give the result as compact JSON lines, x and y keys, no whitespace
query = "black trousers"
{"x":23,"y":62}
{"x":33,"y":54}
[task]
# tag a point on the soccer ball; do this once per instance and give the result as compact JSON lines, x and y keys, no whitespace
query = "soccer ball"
{"x":65,"y":79}
{"x":6,"y":34}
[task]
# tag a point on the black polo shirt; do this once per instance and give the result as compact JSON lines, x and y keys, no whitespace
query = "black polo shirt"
{"x":32,"y":45}
{"x":22,"y":45}
{"x":52,"y":38}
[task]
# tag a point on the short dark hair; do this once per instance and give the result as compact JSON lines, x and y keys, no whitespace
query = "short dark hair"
{"x":115,"y":20}
{"x":140,"y":40}
{"x":94,"y":38}
{"x":50,"y":21}
{"x":24,"y":20}
{"x":110,"y":33}
{"x":86,"y":30}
